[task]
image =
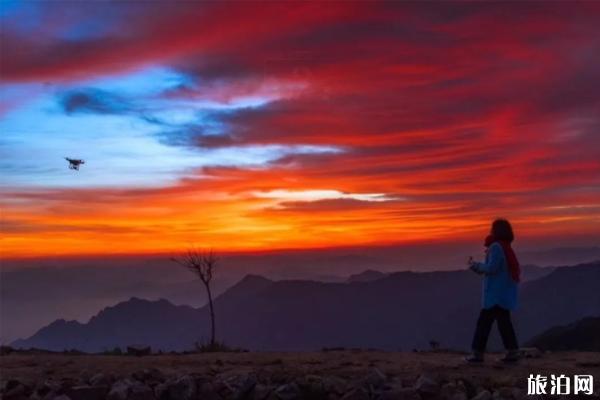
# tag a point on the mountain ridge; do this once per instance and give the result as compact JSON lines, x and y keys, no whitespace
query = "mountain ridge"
{"x":261,"y":314}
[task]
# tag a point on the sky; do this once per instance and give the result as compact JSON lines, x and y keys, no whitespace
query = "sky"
{"x":246,"y":126}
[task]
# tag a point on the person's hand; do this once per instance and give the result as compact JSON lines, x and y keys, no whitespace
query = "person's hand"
{"x":472,"y":264}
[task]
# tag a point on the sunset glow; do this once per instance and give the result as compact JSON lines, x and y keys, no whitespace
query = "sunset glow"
{"x":245,"y":126}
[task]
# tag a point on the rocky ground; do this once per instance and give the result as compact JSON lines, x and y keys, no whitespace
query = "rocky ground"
{"x":344,"y":374}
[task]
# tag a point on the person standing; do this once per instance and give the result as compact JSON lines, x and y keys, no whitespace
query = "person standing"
{"x":501,"y":276}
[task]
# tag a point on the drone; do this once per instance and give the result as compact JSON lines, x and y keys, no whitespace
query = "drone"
{"x":74,"y":164}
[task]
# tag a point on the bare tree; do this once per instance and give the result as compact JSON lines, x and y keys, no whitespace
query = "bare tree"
{"x":203,"y":265}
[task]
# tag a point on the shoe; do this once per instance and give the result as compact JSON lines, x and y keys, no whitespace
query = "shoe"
{"x":511,"y":356}
{"x":474,"y":357}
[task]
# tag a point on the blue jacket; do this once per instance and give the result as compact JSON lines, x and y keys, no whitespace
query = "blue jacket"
{"x":498,"y":286}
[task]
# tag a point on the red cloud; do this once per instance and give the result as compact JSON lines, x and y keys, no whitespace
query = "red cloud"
{"x":466,"y":110}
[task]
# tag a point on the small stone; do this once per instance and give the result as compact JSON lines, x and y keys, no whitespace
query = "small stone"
{"x":84,"y":376}
{"x":452,"y":391}
{"x":140,"y":391}
{"x":66,"y":383}
{"x":334,"y":384}
{"x":503,"y":393}
{"x":85,"y":392}
{"x":401,"y":394}
{"x":357,"y":394}
{"x":16,"y":393}
{"x":466,"y":386}
{"x":46,"y":389}
{"x":161,"y":391}
{"x":459,"y":396}
{"x":208,"y":389}
{"x":261,"y":392}
{"x":244,"y":386}
{"x":149,"y":375}
{"x":100,"y":379}
{"x":224,"y":388}
{"x":426,"y":384}
{"x":119,"y":390}
{"x":483,"y":395}
{"x":288,"y":391}
{"x":183,"y":388}
{"x":375,"y":378}
{"x":11,"y":384}
{"x":530,"y":352}
{"x":518,"y":394}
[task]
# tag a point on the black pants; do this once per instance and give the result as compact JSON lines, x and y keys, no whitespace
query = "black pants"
{"x":484,"y":325}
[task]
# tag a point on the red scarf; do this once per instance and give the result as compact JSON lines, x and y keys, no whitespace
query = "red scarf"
{"x":509,"y":254}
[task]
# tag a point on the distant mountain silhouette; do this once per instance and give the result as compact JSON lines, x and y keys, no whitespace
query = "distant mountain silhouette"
{"x":76,"y":288}
{"x":367,"y":276}
{"x":533,"y":272}
{"x":561,"y":255}
{"x":401,"y":310}
{"x":159,"y":324}
{"x":582,"y":335}
{"x":528,"y":273}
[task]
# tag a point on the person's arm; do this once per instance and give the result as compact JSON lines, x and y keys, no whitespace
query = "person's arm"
{"x":493,"y":262}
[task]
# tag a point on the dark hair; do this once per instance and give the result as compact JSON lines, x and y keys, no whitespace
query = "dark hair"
{"x":501,"y":230}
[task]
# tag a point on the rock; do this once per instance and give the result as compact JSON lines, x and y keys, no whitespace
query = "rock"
{"x":530,"y":352}
{"x":184,"y":388}
{"x":149,"y":376}
{"x":452,"y":391}
{"x":100,"y":379}
{"x":11,"y":384}
{"x":161,"y":392}
{"x":139,"y":350}
{"x":85,"y":392}
{"x":312,"y":387}
{"x":358,"y":393}
{"x":208,"y":389}
{"x":374,"y":379}
{"x":244,"y":386}
{"x":15,"y":395}
{"x":459,"y":396}
{"x":334,"y":384}
{"x":66,"y":383}
{"x":400,"y":394}
{"x":503,"y":393}
{"x":224,"y":388}
{"x":261,"y":392}
{"x":84,"y":377}
{"x":119,"y":390}
{"x":288,"y":391}
{"x":393,"y":383}
{"x":466,"y":386}
{"x":46,"y":390}
{"x":15,"y":390}
{"x":427,"y":385}
{"x":518,"y":394}
{"x":483,"y":395}
{"x":140,"y":391}
{"x":62,"y":397}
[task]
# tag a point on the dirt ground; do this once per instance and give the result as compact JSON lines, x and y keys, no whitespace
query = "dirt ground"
{"x":347,"y":364}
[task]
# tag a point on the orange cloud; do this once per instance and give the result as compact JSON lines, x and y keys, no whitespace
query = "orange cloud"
{"x":443,"y":116}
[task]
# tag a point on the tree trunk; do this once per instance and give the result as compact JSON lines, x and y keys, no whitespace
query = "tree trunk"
{"x":212,"y":315}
